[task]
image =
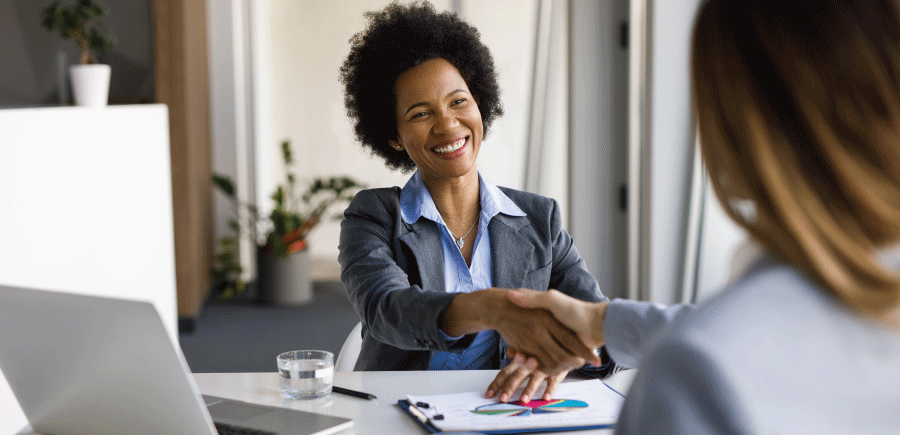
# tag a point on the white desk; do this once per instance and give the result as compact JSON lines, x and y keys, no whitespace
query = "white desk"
{"x":381,"y":416}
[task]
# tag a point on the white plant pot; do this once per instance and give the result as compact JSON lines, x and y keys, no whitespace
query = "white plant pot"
{"x":90,"y":84}
{"x":284,"y":281}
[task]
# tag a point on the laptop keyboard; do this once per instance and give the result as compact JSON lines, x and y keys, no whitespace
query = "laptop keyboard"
{"x":227,"y":429}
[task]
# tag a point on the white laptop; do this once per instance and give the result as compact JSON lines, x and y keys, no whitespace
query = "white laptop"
{"x":94,"y":365}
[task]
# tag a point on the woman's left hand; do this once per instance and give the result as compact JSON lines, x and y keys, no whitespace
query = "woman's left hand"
{"x":512,"y":376}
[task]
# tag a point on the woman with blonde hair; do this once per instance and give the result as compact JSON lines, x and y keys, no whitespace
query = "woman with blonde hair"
{"x":798,"y":107}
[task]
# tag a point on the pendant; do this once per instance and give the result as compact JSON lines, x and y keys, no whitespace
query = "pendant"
{"x":460,"y":242}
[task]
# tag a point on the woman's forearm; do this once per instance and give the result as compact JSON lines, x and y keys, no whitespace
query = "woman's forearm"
{"x":467,"y":313}
{"x":533,"y":331}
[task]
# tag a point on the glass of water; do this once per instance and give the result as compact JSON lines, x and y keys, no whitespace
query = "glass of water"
{"x":306,"y":374}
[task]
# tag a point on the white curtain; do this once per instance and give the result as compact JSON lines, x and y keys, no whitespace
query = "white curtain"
{"x":681,"y":243}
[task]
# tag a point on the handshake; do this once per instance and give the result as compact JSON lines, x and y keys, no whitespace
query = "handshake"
{"x":564,"y":334}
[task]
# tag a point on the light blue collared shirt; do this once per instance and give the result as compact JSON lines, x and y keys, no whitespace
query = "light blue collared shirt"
{"x":416,"y":202}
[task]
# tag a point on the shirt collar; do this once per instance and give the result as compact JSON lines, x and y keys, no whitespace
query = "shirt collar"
{"x":416,"y":201}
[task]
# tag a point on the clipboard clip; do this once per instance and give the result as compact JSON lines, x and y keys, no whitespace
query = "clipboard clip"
{"x":415,"y":408}
{"x":418,"y":414}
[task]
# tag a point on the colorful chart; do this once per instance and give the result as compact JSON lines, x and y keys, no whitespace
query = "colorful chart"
{"x":519,"y":409}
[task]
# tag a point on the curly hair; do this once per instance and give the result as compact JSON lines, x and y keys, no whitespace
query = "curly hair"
{"x":398,"y":38}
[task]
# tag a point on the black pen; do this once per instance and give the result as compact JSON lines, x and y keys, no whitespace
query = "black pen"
{"x":353,"y":393}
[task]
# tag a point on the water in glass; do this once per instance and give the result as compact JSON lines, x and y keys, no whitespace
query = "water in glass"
{"x":305,"y":378}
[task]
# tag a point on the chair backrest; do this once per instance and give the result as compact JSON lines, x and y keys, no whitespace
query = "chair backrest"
{"x":346,"y":359}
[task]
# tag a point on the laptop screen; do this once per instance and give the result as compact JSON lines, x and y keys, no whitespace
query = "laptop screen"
{"x":87,"y":364}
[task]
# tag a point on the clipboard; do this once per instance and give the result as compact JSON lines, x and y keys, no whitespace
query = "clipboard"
{"x":580,"y":405}
{"x":421,"y":418}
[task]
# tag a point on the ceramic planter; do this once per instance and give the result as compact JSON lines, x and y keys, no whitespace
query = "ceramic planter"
{"x":90,"y":84}
{"x":284,"y":281}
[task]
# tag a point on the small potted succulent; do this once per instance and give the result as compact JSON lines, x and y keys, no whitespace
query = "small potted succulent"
{"x":281,"y":236}
{"x":83,"y":22}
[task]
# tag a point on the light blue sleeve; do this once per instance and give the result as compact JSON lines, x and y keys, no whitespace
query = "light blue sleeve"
{"x":630,"y":325}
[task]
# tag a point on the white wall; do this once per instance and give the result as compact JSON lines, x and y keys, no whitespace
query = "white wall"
{"x":308,"y":42}
{"x":719,"y":242}
{"x":511,"y":41}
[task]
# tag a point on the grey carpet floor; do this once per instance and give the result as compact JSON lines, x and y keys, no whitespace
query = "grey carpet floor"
{"x":244,"y":336}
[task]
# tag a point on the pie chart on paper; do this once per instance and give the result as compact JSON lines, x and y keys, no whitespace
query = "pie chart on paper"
{"x":519,"y":409}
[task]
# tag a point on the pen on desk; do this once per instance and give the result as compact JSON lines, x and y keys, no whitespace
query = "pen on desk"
{"x":353,"y":393}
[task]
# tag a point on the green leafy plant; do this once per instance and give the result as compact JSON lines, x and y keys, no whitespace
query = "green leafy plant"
{"x":82,"y":22}
{"x":284,"y":230}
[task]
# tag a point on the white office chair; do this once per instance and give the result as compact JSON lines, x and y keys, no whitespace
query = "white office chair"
{"x":349,"y":353}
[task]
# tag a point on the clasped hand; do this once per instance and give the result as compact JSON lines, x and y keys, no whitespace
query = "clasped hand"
{"x":549,"y":335}
{"x":553,"y":348}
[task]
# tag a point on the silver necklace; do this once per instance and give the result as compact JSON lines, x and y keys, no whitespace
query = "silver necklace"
{"x":459,"y":240}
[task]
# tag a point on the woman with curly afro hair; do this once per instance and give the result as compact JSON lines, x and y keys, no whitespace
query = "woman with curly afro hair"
{"x":428,"y":267}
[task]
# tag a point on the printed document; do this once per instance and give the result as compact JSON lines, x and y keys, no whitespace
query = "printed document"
{"x":575,"y":404}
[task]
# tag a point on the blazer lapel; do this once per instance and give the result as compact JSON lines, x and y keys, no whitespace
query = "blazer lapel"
{"x":510,"y":251}
{"x":423,"y":240}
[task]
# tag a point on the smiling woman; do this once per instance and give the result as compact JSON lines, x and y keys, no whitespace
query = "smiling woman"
{"x":427,"y":267}
{"x":296,"y":51}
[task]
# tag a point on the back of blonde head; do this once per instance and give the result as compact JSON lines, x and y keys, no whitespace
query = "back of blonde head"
{"x":798,"y":107}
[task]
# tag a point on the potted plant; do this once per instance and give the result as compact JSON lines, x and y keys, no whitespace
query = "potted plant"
{"x":281,"y":235}
{"x":83,"y":22}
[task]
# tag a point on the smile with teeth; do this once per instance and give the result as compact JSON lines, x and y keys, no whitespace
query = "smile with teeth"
{"x":447,"y":149}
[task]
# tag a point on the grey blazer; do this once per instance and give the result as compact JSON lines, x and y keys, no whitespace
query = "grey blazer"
{"x":394,"y":272}
{"x":773,"y":353}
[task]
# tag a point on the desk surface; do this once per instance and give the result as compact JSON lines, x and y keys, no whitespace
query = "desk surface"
{"x":381,"y":416}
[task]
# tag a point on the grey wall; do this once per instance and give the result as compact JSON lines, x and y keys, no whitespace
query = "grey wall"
{"x":29,"y":69}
